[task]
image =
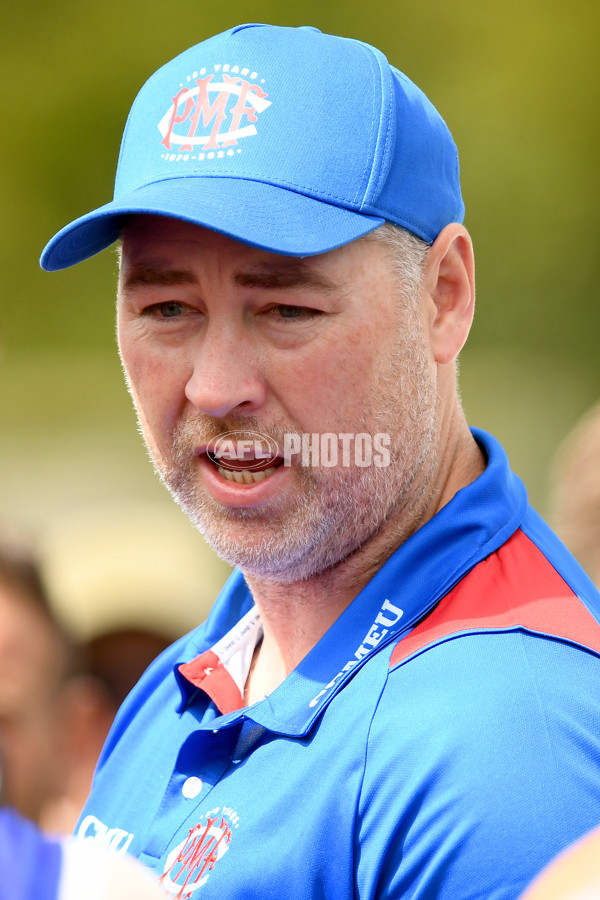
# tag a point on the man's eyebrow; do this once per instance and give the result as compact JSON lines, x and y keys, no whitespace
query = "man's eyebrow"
{"x":269,"y":277}
{"x":156,"y":276}
{"x":272,"y":277}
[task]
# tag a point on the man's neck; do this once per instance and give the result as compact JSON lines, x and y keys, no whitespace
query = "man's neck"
{"x":296,"y":615}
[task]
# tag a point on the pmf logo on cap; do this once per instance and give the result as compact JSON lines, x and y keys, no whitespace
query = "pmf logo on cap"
{"x":207,"y":117}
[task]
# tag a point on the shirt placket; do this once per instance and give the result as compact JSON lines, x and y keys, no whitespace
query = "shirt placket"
{"x":203,"y":759}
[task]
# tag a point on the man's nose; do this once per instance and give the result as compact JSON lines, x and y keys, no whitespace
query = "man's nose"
{"x":226,"y":375}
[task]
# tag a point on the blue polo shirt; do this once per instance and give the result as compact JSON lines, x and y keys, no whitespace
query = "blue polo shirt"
{"x":442,"y":740}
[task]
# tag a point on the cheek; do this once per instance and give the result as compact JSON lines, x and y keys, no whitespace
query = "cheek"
{"x":157,"y":386}
{"x":324,"y":390}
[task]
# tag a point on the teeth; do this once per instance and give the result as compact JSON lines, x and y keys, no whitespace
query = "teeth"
{"x":245,"y":476}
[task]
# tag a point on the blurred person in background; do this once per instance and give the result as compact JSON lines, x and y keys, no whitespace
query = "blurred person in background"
{"x":118,"y":657}
{"x":37,"y":866}
{"x":575,"y":492}
{"x":48,"y":706}
{"x":573,"y":875}
{"x":58,"y":696}
{"x":112,"y":662}
{"x":38,"y":662}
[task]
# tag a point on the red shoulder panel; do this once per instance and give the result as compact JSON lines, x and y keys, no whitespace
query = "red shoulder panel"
{"x":514,"y":587}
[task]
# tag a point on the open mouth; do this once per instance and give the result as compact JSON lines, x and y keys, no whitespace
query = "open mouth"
{"x":245,"y":471}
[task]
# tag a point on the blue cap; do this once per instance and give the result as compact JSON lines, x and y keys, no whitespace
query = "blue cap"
{"x":286,"y":139}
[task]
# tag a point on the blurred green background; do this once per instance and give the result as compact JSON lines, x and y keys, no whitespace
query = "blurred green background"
{"x":517,"y":83}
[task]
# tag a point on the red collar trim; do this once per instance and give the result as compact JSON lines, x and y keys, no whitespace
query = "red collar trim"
{"x":208,"y":673}
{"x":221,"y":672}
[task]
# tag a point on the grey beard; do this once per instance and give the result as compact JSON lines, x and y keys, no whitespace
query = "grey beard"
{"x":327,"y":525}
{"x":337,"y":510}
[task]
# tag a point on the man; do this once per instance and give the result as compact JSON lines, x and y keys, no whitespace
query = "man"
{"x":396,"y":695}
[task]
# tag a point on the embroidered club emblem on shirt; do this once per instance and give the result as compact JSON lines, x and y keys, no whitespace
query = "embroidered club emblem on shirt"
{"x":211,"y":112}
{"x":189,"y":865}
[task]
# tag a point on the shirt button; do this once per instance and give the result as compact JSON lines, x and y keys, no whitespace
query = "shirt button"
{"x":191,"y":787}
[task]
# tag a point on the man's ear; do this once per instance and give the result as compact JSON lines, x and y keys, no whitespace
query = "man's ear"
{"x":449,"y":280}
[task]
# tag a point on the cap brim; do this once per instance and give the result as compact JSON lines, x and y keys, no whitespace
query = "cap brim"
{"x":262,"y":215}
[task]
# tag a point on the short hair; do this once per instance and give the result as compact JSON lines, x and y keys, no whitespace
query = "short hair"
{"x":21,"y":574}
{"x":20,"y":571}
{"x":575,"y":492}
{"x":408,"y":254}
{"x":118,"y":658}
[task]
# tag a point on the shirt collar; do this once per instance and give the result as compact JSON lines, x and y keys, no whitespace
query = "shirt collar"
{"x":477,"y":521}
{"x":221,"y":672}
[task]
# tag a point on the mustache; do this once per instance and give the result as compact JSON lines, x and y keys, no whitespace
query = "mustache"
{"x":201,"y":430}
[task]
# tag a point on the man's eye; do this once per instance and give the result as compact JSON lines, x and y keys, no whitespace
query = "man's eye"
{"x":290,"y":312}
{"x":285,"y":311}
{"x":166,"y":310}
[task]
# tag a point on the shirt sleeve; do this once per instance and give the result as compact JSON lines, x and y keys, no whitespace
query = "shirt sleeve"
{"x":482,"y":765}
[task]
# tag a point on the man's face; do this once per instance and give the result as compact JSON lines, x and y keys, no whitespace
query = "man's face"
{"x":219,"y":337}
